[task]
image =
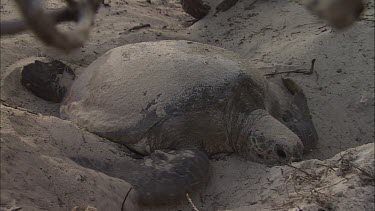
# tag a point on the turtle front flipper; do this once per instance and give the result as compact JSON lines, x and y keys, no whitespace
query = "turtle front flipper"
{"x":287,"y":102}
{"x":167,"y":176}
{"x":297,"y":117}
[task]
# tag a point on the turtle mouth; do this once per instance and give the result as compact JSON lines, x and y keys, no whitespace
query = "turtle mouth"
{"x":271,"y":152}
{"x":270,"y":157}
{"x":280,"y":153}
{"x":276,"y":156}
{"x":297,"y":153}
{"x":284,"y":156}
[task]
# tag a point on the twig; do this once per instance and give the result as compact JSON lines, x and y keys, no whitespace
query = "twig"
{"x":306,"y":179}
{"x":2,"y":102}
{"x":308,"y":174}
{"x":330,"y":167}
{"x":268,"y":27}
{"x":123,"y":203}
{"x":140,"y":26}
{"x":289,"y":71}
{"x":312,"y":67}
{"x":362,"y":170}
{"x":321,"y":188}
{"x":303,"y":71}
{"x":10,"y":209}
{"x":191,"y":203}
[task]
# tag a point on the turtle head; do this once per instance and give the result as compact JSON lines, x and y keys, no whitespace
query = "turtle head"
{"x":264,"y":139}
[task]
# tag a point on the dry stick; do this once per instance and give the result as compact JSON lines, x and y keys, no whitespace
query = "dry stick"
{"x":308,"y":174}
{"x":321,"y":188}
{"x":123,"y":203}
{"x":311,"y":71}
{"x":330,"y":167}
{"x":365,"y":172}
{"x":2,"y":102}
{"x":13,"y":209}
{"x":289,"y":71}
{"x":140,"y":26}
{"x":306,"y":179}
{"x":312,"y":67}
{"x":191,"y":203}
{"x":317,"y":190}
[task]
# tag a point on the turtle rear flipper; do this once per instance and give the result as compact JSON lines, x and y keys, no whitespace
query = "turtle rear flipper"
{"x":167,"y":176}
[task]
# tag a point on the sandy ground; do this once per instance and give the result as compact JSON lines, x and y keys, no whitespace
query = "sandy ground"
{"x":38,"y":174}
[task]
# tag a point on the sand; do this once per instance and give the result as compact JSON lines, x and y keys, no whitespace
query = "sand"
{"x":37,"y":171}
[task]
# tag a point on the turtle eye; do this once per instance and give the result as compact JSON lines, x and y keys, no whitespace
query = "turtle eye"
{"x":253,"y":140}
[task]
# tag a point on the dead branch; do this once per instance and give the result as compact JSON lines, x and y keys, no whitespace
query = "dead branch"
{"x":15,"y":208}
{"x":321,"y":188}
{"x":303,"y":71}
{"x":126,"y":196}
{"x":329,"y":167}
{"x":363,"y":171}
{"x":2,"y":102}
{"x":140,"y":26}
{"x":308,"y":174}
{"x":191,"y":203}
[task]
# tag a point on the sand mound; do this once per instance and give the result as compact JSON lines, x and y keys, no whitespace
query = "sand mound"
{"x":38,"y":172}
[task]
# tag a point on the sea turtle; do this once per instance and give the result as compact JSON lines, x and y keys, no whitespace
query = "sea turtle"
{"x":178,"y":102}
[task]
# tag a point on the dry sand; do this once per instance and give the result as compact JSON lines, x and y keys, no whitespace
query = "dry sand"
{"x":38,"y":174}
